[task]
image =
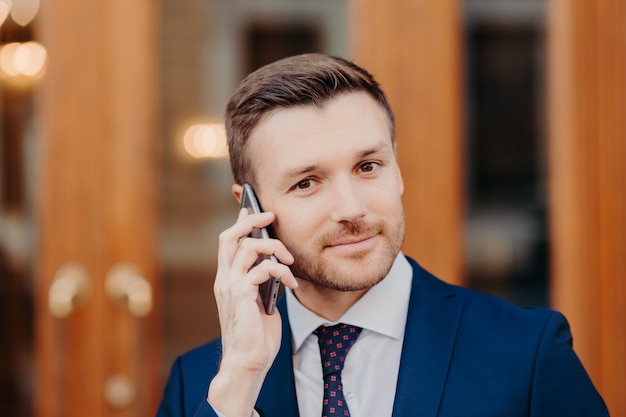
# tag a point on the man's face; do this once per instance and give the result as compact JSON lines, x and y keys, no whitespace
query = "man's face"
{"x":331,"y":177}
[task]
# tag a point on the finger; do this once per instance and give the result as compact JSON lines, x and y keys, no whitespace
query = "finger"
{"x":249,"y":221}
{"x":266,"y":269}
{"x":269,"y":246}
{"x":229,"y":238}
{"x":245,"y":290}
{"x":250,"y":249}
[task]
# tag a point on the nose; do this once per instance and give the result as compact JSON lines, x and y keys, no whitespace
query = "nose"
{"x":348,"y":203}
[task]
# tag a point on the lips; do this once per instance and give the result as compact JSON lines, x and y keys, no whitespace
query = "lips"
{"x":350,"y":241}
{"x":353,"y":236}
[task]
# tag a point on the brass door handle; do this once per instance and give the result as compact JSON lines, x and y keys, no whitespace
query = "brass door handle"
{"x":124,"y":284}
{"x":70,"y":288}
{"x":120,"y":391}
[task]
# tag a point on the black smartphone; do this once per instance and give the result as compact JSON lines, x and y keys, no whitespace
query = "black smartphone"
{"x":269,"y":289}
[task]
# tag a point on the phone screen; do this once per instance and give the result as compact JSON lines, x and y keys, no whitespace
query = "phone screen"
{"x":269,"y":289}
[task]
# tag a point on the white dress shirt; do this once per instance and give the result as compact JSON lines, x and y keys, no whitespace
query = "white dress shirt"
{"x":371,"y":369}
{"x":370,"y":373}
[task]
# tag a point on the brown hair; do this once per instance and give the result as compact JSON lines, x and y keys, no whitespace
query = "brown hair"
{"x":301,"y":80}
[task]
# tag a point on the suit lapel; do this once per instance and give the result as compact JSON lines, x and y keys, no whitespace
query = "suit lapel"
{"x":432,"y":323}
{"x":278,"y":394}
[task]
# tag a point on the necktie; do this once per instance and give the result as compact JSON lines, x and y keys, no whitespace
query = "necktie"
{"x":335,"y":342}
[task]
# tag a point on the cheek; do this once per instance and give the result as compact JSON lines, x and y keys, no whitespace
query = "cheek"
{"x":387,"y":208}
{"x":292,"y":228}
{"x":299,"y":227}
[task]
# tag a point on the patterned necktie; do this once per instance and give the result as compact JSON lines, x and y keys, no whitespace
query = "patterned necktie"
{"x":335,"y":342}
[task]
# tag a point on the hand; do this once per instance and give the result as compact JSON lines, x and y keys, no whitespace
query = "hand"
{"x":250,"y":337}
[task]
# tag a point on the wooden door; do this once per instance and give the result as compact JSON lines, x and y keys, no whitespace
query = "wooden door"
{"x":97,"y":319}
{"x":587,"y":155}
{"x":393,"y":39}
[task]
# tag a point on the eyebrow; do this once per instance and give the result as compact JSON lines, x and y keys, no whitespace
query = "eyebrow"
{"x":296,"y":172}
{"x":381,"y":147}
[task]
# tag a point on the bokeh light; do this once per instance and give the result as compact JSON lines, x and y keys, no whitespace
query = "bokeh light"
{"x":24,"y":11}
{"x":203,"y":141}
{"x":22,"y":63}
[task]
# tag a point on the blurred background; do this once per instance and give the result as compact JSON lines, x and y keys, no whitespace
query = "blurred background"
{"x":115,"y":183}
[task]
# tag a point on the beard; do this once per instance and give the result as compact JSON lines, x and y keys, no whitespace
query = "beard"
{"x":359,"y":271}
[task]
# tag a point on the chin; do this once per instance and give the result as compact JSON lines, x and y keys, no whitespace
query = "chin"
{"x":343,"y":286}
{"x":356,"y":274}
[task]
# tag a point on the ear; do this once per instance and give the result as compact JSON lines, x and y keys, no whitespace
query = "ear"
{"x":400,"y":179}
{"x":237,"y":190}
{"x":399,"y":172}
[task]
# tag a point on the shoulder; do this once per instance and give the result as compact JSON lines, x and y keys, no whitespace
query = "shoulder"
{"x":194,"y":370}
{"x":481,"y":311}
{"x":189,"y":380}
{"x":487,"y":327}
{"x":521,"y":356}
{"x":202,"y":360}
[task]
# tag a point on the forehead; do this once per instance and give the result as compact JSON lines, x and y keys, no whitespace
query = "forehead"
{"x":290,"y":139}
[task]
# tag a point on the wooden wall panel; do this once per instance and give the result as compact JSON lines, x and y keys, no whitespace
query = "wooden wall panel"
{"x":587,"y":147}
{"x":97,"y":204}
{"x":413,"y":48}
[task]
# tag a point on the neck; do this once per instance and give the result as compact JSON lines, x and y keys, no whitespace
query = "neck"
{"x":325,"y":302}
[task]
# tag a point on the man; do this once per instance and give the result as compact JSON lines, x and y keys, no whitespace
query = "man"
{"x":314,"y":135}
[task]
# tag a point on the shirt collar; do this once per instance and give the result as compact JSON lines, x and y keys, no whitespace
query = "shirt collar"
{"x":383,"y":309}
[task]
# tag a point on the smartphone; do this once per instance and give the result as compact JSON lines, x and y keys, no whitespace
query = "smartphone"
{"x":269,"y":289}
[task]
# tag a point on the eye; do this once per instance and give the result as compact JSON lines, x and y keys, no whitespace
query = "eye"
{"x":369,"y":166}
{"x":304,"y":184}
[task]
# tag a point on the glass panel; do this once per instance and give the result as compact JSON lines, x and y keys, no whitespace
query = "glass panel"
{"x":506,"y":230}
{"x":18,"y":82}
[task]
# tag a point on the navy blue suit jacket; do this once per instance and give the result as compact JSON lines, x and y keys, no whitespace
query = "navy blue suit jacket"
{"x":465,"y":354}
